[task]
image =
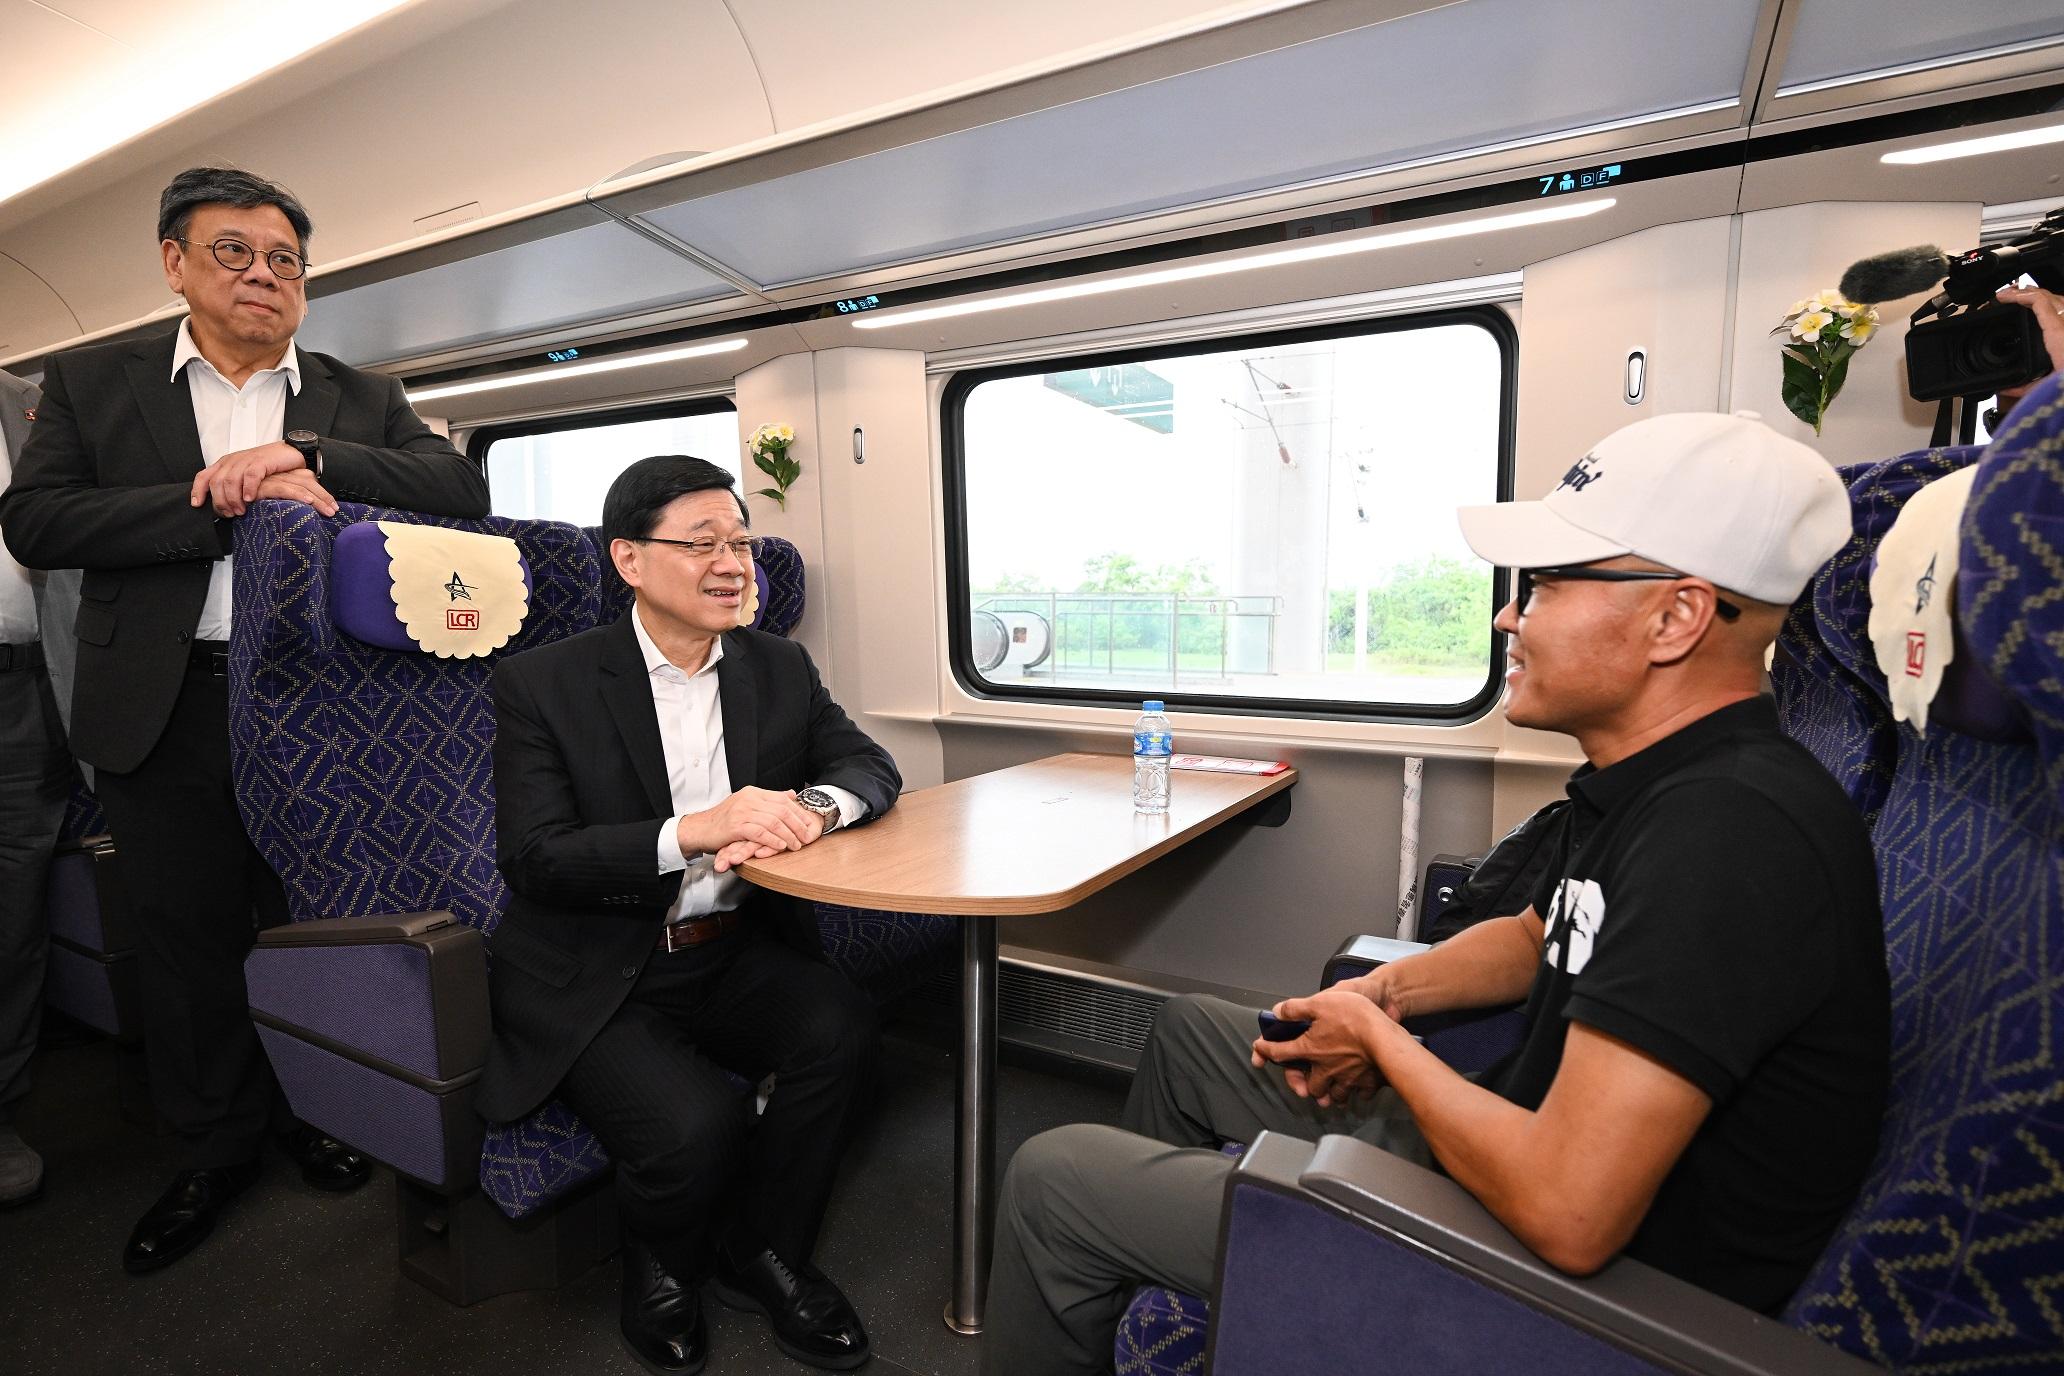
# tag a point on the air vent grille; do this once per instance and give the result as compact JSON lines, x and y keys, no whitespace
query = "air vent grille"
{"x":1090,"y":1019}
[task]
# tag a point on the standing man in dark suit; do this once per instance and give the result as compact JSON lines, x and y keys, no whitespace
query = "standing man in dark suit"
{"x":635,"y":766}
{"x":35,"y":772}
{"x":142,"y":457}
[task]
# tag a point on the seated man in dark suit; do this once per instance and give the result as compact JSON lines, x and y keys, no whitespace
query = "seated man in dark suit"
{"x":636,"y":766}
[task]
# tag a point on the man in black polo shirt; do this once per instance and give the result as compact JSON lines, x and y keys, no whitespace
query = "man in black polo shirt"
{"x":1705,"y":1061}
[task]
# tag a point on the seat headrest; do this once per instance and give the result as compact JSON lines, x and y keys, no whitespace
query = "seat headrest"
{"x":1841,"y":593}
{"x":453,"y":593}
{"x":2010,"y":580}
{"x":1921,"y":650}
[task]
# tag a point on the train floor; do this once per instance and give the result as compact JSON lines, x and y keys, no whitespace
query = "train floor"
{"x":298,"y":1282}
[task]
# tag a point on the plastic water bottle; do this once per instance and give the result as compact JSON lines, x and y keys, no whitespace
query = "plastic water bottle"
{"x":1152,"y":743}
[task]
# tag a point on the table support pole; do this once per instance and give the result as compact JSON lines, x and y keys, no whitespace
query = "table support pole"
{"x":974,"y":1127}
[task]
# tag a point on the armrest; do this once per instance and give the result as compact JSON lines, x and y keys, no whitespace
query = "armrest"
{"x":403,"y":993}
{"x":1358,"y":955}
{"x":350,"y":931}
{"x":1380,"y":1209}
{"x":1468,"y":1039}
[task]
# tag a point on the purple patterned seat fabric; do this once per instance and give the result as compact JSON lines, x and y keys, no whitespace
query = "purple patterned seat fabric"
{"x":83,"y":816}
{"x":365,"y":775}
{"x":1950,"y":1259}
{"x":1162,"y":1334}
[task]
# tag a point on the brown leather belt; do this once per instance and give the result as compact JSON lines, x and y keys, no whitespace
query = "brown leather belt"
{"x":696,"y":930}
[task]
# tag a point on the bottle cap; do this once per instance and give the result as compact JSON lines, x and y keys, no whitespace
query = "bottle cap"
{"x":1151,"y":705}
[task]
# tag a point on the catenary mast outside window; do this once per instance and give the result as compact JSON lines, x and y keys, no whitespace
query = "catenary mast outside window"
{"x":1263,"y":524}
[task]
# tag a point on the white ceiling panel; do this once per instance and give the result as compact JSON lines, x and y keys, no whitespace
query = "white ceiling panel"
{"x":1371,"y":98}
{"x":821,"y":59}
{"x":1837,"y":40}
{"x":78,"y":77}
{"x":41,"y":53}
{"x":599,"y":272}
{"x":144,"y":23}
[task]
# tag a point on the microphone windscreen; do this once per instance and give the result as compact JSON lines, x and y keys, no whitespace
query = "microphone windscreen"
{"x":1889,"y":276}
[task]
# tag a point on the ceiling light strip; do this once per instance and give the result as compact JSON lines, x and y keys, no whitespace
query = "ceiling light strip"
{"x":1971,"y":148}
{"x":1190,"y":272}
{"x":566,"y":370}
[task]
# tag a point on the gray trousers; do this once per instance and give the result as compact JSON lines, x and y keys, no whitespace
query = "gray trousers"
{"x":35,"y":779}
{"x":1088,"y":1213}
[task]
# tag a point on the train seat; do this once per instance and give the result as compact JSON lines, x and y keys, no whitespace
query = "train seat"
{"x":365,"y":774}
{"x":91,"y":974}
{"x":365,"y":777}
{"x":1949,"y":1256}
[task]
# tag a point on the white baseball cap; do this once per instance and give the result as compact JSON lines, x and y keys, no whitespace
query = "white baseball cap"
{"x":1723,"y":497}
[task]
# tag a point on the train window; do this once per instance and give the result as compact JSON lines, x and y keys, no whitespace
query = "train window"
{"x":560,"y":469}
{"x":1265,"y":524}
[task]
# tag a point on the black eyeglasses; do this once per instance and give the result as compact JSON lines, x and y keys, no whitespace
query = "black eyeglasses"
{"x":1523,"y":591}
{"x":236,"y":255}
{"x":743,"y":550}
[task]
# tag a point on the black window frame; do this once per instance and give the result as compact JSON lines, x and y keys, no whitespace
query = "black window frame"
{"x":959,"y":595}
{"x":487,"y":436}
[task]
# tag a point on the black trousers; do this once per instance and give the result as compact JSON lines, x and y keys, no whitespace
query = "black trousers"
{"x":693,"y":1164}
{"x":201,"y":891}
{"x":35,"y":777}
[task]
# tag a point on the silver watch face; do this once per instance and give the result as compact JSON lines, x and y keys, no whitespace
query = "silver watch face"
{"x":817,"y":800}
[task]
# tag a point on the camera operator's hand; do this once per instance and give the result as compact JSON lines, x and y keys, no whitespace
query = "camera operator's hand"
{"x":2049,"y":315}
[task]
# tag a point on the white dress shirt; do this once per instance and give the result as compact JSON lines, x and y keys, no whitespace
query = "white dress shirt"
{"x":17,"y":584}
{"x":691,"y":733}
{"x":230,"y":419}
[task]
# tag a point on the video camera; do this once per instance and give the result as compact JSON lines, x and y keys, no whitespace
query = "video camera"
{"x":1964,"y":342}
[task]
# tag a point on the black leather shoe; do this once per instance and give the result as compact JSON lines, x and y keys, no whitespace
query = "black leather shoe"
{"x":325,"y":1162}
{"x":661,"y":1319}
{"x":813,"y":1322}
{"x":183,"y":1215}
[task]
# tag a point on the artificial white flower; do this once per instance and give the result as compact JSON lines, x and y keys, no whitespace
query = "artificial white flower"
{"x":1809,"y":325}
{"x":1828,"y":298}
{"x":1860,"y":327}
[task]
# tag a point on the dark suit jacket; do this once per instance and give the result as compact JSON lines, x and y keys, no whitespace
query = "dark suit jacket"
{"x":580,"y":794}
{"x":102,"y":486}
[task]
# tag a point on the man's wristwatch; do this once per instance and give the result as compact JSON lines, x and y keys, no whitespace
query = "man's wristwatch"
{"x":310,"y":445}
{"x":821,"y":803}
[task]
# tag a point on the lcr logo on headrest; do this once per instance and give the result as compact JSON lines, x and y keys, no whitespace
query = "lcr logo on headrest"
{"x":1581,"y":474}
{"x":459,"y":587}
{"x":461,"y":619}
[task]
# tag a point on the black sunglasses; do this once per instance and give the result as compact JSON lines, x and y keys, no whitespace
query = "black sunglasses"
{"x":1523,"y":591}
